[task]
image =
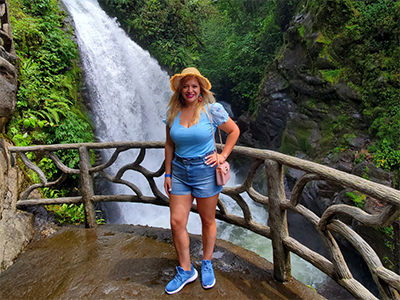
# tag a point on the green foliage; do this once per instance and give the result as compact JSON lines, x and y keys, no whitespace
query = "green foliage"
{"x":49,"y":79}
{"x":240,"y":40}
{"x":388,"y":263}
{"x":343,"y":143}
{"x":65,"y":213}
{"x":49,"y":168}
{"x":68,"y":213}
{"x":390,"y":245}
{"x":298,"y":139}
{"x":100,"y":221}
{"x":360,"y":38}
{"x":366,"y":172}
{"x":22,"y":139}
{"x":389,"y":231}
{"x":322,"y":39}
{"x":48,"y":103}
{"x":53,"y":193}
{"x":386,"y":155}
{"x":339,"y":123}
{"x":302,"y":30}
{"x":332,"y":76}
{"x":230,"y":41}
{"x":331,"y":14}
{"x":372,"y":64}
{"x":71,"y":130}
{"x":358,"y":198}
{"x":169,"y":29}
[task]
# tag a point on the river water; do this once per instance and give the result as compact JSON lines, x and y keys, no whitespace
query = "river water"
{"x":128,"y":94}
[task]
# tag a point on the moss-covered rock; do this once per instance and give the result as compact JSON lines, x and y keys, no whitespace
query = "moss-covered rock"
{"x":301,"y":135}
{"x":339,"y":73}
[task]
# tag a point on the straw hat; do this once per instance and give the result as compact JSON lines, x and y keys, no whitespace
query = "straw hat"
{"x":176,"y":79}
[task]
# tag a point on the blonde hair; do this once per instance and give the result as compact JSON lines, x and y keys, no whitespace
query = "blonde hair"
{"x":175,"y":104}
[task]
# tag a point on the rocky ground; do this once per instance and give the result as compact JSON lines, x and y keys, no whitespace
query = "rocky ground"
{"x":16,"y":227}
{"x":135,"y":262}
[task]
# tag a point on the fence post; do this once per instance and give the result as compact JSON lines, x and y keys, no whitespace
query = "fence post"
{"x":277,"y":220}
{"x":87,"y":188}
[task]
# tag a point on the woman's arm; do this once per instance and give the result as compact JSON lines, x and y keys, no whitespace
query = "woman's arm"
{"x":233,"y":132}
{"x":169,"y":153}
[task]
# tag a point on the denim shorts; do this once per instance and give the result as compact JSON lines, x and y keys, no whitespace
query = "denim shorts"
{"x":193,"y":176}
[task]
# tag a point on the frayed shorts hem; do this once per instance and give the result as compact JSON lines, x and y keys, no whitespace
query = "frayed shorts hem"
{"x":195,"y":194}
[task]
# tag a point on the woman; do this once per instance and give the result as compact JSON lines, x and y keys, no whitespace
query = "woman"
{"x":190,"y":163}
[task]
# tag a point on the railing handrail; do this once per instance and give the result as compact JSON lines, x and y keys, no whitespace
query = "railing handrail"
{"x":101,"y":145}
{"x":377,"y":190}
{"x":388,"y":282}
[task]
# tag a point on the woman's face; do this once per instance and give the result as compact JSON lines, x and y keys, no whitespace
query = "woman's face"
{"x":191,"y":90}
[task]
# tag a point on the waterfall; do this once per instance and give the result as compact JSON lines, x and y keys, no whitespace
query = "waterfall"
{"x":129,"y":93}
{"x":128,"y":97}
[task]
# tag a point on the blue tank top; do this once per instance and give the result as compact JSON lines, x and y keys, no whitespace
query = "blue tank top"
{"x":197,"y":140}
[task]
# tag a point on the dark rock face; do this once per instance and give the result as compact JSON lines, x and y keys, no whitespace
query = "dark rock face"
{"x":8,"y":67}
{"x":266,"y":130}
{"x":8,"y":87}
{"x":289,"y":119}
{"x":293,"y":81}
{"x":16,"y":227}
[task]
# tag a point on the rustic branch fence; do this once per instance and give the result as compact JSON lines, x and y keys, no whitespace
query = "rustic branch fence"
{"x":388,"y":282}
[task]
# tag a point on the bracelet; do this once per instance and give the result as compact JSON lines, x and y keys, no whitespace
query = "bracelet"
{"x":167,"y":175}
{"x":225,"y":157}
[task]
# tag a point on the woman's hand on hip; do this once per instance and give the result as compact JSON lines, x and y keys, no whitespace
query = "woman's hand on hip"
{"x":213,"y":159}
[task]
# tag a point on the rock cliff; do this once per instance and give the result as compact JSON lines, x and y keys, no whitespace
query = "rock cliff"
{"x":16,"y":227}
{"x":298,"y":114}
{"x":8,"y":67}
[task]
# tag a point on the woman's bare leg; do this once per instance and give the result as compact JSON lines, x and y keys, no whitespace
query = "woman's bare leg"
{"x":206,"y":208}
{"x":179,"y":213}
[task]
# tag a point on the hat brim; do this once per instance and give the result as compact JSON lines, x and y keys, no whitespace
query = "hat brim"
{"x":176,"y":79}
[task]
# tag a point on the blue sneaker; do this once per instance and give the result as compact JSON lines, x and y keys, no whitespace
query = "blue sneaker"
{"x":181,"y":279}
{"x":207,"y":274}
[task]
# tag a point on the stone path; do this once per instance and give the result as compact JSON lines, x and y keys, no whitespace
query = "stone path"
{"x":135,"y":262}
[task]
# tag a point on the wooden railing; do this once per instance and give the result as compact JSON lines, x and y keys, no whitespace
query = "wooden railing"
{"x":388,"y":282}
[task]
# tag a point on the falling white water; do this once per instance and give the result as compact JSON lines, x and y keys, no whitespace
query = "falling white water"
{"x":128,"y":98}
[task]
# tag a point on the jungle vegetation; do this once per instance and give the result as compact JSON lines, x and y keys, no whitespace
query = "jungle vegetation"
{"x":362,"y":41}
{"x":231,"y":41}
{"x":49,"y":106}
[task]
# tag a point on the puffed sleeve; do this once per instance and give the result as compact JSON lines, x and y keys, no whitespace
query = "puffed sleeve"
{"x":219,"y":114}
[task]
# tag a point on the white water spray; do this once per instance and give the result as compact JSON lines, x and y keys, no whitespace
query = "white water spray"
{"x":129,"y":94}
